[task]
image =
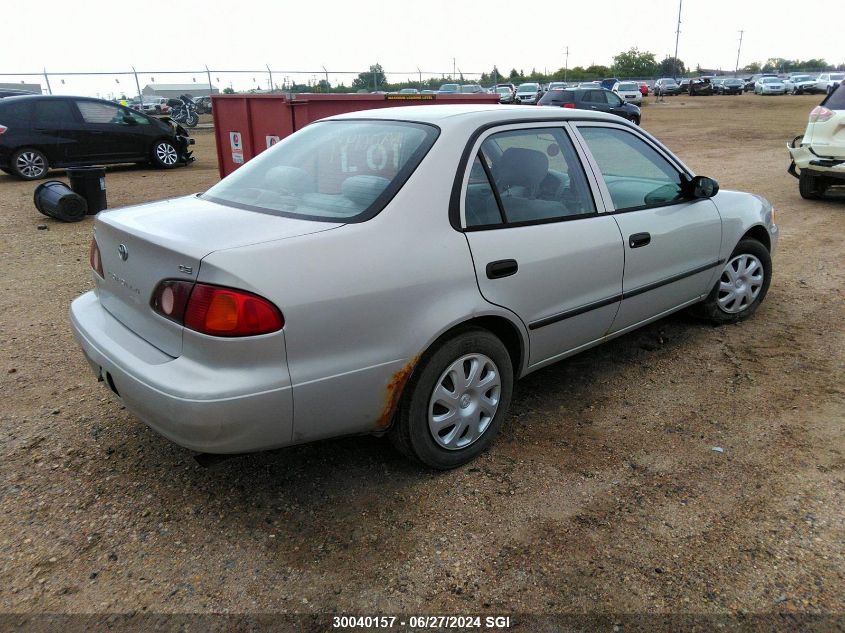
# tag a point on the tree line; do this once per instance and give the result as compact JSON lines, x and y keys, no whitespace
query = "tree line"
{"x":630,"y":64}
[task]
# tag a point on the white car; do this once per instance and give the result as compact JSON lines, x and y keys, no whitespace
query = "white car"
{"x":629,"y":91}
{"x":769,"y":86}
{"x":528,"y":93}
{"x":818,"y":157}
{"x":827,"y":82}
{"x":800,"y":84}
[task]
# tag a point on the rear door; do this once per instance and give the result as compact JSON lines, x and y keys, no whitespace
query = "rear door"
{"x":672,"y":244}
{"x":540,"y":246}
{"x":57,"y":129}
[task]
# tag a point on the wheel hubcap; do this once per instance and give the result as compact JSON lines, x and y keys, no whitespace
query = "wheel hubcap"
{"x":740,"y":283}
{"x":30,"y":164}
{"x":464,"y":401}
{"x":166,"y":153}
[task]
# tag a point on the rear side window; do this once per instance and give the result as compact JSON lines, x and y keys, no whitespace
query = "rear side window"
{"x":557,"y":97}
{"x":836,"y":99}
{"x":54,"y":112}
{"x":526,"y":176}
{"x":636,"y":175}
{"x":11,"y":111}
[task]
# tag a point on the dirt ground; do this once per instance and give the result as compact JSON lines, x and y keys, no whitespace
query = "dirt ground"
{"x":602,"y":495}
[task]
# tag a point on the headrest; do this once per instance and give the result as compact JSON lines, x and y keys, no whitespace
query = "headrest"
{"x":289,"y":179}
{"x":364,"y":190}
{"x":521,"y":167}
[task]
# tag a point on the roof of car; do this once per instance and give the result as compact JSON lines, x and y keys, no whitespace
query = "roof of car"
{"x":474,"y":113}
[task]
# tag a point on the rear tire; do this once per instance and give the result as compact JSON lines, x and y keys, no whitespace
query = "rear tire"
{"x":455,"y":401}
{"x":808,"y":187}
{"x":29,"y":164}
{"x":741,"y":286}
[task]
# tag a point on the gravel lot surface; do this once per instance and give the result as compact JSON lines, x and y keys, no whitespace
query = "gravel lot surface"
{"x":603,"y":493}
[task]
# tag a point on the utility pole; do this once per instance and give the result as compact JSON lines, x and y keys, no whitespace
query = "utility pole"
{"x":677,"y":36}
{"x":327,"y":79}
{"x":454,"y":65}
{"x":566,"y":66}
{"x":420,"y":72}
{"x":736,"y":70}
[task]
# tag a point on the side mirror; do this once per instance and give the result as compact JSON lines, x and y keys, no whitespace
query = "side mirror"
{"x":702,"y":187}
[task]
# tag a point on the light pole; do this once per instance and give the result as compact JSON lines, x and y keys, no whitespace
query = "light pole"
{"x":566,"y":66}
{"x":677,"y":35}
{"x":736,"y":70}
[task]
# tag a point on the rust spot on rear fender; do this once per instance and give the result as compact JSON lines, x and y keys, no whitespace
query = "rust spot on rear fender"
{"x":395,"y":387}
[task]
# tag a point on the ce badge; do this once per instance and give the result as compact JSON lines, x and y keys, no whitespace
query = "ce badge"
{"x":123,"y":252}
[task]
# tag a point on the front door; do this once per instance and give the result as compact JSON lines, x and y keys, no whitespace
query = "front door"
{"x":541,"y":248}
{"x":112,"y":133}
{"x":671,"y":242}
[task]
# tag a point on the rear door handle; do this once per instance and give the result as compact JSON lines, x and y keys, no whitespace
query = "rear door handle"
{"x":639,"y":239}
{"x":502,"y":268}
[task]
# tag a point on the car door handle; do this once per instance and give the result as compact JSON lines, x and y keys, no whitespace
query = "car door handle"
{"x":502,"y":268}
{"x":639,"y":239}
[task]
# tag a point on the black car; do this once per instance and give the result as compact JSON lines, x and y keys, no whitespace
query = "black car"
{"x":38,"y":133}
{"x":597,"y":99}
{"x":730,"y":86}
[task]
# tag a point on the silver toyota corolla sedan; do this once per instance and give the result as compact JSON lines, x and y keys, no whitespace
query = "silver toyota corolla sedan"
{"x":394,"y":271}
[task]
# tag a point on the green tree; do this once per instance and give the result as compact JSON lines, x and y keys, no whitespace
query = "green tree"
{"x":596,"y":71}
{"x":671,"y":67}
{"x":633,"y":63}
{"x":228,"y":91}
{"x":751,"y":68}
{"x":373,"y":79}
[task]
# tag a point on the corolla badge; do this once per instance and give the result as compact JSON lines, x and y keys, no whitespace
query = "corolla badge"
{"x":123,"y":252}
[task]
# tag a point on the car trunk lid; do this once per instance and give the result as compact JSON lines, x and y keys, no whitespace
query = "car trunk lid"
{"x":142,"y":245}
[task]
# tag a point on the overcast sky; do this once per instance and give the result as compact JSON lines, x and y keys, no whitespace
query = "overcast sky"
{"x":92,"y":35}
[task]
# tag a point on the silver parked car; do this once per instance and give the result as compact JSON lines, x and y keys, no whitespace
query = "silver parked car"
{"x":394,"y":271}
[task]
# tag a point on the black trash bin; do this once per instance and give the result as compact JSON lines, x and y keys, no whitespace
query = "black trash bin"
{"x":55,"y":199}
{"x":90,"y":183}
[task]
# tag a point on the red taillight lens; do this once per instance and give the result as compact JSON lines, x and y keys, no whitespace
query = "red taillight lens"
{"x":216,"y":310}
{"x":820,"y":114}
{"x":3,"y":128}
{"x":571,"y":106}
{"x":94,"y":257}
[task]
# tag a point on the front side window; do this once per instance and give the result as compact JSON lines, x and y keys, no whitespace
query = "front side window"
{"x":523,"y":176}
{"x":329,"y":171}
{"x":635,"y":173}
{"x":96,"y":112}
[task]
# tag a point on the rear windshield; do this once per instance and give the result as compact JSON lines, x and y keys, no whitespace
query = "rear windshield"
{"x":329,"y":171}
{"x":836,"y":99}
{"x":526,"y":87}
{"x":628,"y":87}
{"x":557,"y":97}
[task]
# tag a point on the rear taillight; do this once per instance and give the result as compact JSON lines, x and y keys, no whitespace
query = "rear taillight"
{"x":571,"y":106}
{"x":94,"y":257}
{"x":820,"y":114}
{"x":3,"y":128}
{"x":216,"y":310}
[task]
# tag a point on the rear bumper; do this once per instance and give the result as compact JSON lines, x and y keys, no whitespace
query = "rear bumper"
{"x":804,"y":160}
{"x":226,"y":405}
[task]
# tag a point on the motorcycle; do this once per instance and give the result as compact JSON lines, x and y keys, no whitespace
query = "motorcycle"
{"x":184,"y":110}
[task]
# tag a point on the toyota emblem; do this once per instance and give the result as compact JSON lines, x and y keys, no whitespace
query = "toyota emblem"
{"x":123,"y":252}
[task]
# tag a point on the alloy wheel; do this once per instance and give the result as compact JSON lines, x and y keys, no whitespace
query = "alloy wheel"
{"x":31,"y":164}
{"x":464,"y":401}
{"x":166,"y":153}
{"x":740,"y":283}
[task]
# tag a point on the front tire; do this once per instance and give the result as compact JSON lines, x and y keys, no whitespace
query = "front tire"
{"x":808,"y":186}
{"x":29,"y":164}
{"x":741,"y":286}
{"x":455,"y":401}
{"x":165,"y":155}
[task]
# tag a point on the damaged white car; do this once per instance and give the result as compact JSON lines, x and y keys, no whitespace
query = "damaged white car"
{"x":818,"y":156}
